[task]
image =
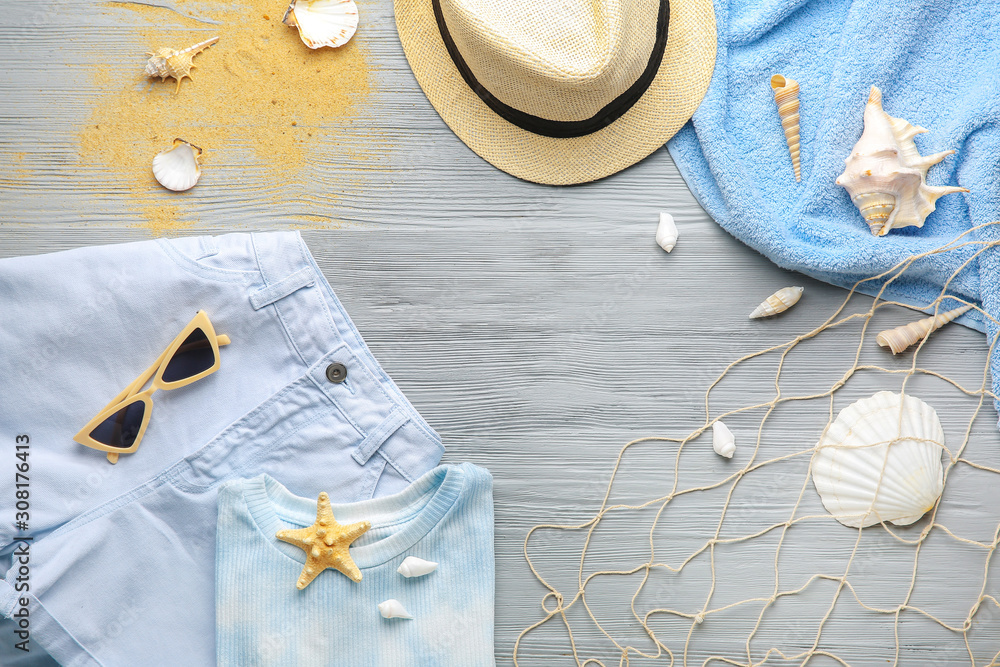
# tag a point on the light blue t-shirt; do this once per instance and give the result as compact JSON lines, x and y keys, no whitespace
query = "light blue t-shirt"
{"x":446,"y":516}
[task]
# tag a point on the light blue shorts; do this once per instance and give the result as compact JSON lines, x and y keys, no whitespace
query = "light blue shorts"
{"x":121,"y":560}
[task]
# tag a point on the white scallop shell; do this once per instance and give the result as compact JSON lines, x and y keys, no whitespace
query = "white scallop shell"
{"x":323,"y":22}
{"x":723,"y":441}
{"x":666,"y":232}
{"x":177,"y":167}
{"x":416,"y":567}
{"x":880,"y":460}
{"x":778,"y":302}
{"x":393,"y":609}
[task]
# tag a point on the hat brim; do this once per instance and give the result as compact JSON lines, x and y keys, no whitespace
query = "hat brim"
{"x":668,"y":103}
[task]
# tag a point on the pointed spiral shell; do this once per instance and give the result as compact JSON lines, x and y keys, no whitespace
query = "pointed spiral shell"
{"x":778,"y":302}
{"x":786,"y":96}
{"x":168,"y":63}
{"x":904,"y":336}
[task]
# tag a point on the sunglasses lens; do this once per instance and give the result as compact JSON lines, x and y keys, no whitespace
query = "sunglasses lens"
{"x":194,"y":356}
{"x":122,"y":428}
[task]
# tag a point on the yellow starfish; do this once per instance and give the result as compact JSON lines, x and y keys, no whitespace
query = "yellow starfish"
{"x":326,"y":543}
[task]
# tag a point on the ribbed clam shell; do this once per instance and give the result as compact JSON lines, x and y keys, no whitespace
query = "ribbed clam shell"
{"x":885,"y":174}
{"x":778,"y":302}
{"x":416,"y":567}
{"x":393,"y":609}
{"x":902,"y":337}
{"x":666,"y":232}
{"x":177,"y":167}
{"x":723,"y":441}
{"x":323,"y":22}
{"x":786,"y":96}
{"x":880,"y":460}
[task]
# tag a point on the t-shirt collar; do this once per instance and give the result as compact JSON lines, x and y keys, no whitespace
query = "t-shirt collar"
{"x":408,"y":515}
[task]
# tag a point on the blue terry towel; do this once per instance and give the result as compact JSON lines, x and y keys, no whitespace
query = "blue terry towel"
{"x":937,"y":63}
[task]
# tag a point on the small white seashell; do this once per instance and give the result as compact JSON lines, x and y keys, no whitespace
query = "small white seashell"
{"x":393,"y":609}
{"x":416,"y":567}
{"x":168,"y":63}
{"x":886,"y":175}
{"x":786,"y":96}
{"x":778,"y":302}
{"x":666,"y":232}
{"x":177,"y":167}
{"x":323,"y":22}
{"x":902,"y":337}
{"x":723,"y":441}
{"x":880,"y":460}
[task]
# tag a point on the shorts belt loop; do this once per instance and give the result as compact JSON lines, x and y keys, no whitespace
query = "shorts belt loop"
{"x":209,"y":247}
{"x":367,"y":447}
{"x":265,"y":296}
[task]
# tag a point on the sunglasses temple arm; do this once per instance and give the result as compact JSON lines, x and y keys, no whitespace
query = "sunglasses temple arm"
{"x":223,"y":339}
{"x":113,"y":456}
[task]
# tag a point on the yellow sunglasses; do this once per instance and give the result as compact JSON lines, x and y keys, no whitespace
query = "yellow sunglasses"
{"x":192,"y":355}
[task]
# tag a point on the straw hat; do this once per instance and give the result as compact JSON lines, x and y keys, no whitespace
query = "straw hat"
{"x":561,"y":92}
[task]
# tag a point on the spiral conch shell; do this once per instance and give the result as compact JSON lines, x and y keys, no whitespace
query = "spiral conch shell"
{"x":902,"y":337}
{"x":886,"y":175}
{"x":778,"y":302}
{"x":786,"y":96}
{"x":167,"y":63}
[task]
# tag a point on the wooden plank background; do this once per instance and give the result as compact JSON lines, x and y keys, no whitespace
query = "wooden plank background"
{"x":539,"y":329}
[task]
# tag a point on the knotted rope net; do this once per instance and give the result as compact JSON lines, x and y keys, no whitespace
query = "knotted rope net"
{"x":724,"y":576}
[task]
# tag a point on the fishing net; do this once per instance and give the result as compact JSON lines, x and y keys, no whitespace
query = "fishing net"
{"x":737,"y":562}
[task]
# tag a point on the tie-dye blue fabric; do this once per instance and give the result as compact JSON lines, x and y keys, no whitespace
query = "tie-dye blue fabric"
{"x":262,"y":619}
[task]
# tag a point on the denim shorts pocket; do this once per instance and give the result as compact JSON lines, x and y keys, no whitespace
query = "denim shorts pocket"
{"x":228,"y":258}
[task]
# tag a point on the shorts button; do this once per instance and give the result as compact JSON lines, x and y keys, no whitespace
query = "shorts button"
{"x":336,"y":372}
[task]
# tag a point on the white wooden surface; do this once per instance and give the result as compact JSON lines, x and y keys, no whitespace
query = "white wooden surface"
{"x":539,"y":329}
